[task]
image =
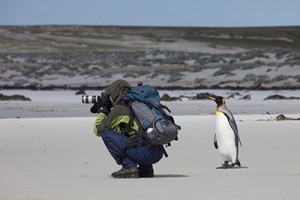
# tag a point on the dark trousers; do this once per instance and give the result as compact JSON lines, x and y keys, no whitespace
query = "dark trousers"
{"x":143,"y":155}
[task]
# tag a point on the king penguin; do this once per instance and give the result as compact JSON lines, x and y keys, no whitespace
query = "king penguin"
{"x":226,"y":138}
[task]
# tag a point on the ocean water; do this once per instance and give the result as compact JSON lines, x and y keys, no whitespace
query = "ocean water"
{"x":64,"y":103}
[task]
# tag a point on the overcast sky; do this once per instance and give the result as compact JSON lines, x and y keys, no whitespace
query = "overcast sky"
{"x":199,"y":13}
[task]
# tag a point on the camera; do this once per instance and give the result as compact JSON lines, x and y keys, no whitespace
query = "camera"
{"x":103,"y":99}
{"x":98,"y":101}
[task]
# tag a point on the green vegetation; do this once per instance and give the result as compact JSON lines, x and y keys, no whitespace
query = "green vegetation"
{"x":101,"y":38}
{"x":28,"y":54}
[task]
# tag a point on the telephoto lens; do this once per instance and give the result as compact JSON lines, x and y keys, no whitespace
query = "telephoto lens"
{"x":91,"y":99}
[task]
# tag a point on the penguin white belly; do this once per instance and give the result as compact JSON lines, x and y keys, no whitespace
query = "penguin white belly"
{"x":225,"y":138}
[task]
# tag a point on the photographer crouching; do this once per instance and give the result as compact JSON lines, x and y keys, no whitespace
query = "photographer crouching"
{"x":112,"y":125}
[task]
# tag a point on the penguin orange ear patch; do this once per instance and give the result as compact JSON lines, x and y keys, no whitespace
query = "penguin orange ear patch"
{"x":223,"y":101}
{"x":218,"y":112}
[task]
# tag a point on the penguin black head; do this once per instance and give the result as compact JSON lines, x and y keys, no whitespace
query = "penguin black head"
{"x":218,"y":99}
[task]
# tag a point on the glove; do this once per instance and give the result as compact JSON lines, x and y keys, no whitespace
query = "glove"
{"x":134,"y":141}
{"x":103,"y":109}
{"x":96,"y":108}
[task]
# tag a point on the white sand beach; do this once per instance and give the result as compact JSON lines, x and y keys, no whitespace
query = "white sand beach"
{"x":60,"y":158}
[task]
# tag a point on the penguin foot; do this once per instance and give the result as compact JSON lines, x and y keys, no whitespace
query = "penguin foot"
{"x":238,"y":163}
{"x":222,"y":167}
{"x":225,"y":165}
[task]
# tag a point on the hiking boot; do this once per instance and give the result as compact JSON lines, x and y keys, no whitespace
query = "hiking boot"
{"x":126,"y":173}
{"x":146,"y":171}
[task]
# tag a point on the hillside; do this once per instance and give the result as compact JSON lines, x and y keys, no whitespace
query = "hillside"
{"x":44,"y":57}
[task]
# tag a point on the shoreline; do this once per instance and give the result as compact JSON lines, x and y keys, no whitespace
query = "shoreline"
{"x":64,"y":103}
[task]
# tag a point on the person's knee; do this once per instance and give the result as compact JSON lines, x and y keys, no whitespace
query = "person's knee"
{"x":106,"y":134}
{"x":111,"y":137}
{"x":145,"y":155}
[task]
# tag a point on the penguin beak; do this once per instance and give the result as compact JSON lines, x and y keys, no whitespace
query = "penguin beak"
{"x":212,"y":98}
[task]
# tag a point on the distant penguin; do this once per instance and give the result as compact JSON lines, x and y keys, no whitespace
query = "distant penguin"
{"x":226,"y":139}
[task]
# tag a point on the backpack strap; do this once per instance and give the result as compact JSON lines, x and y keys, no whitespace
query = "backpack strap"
{"x":168,"y":116}
{"x":131,"y":117}
{"x":165,"y":107}
{"x":165,"y":152}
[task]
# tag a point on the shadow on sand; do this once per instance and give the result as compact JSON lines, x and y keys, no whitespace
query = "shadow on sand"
{"x":170,"y":176}
{"x":241,"y":167}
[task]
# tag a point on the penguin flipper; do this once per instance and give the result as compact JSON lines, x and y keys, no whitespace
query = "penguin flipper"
{"x":215,"y":142}
{"x":232,"y":123}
